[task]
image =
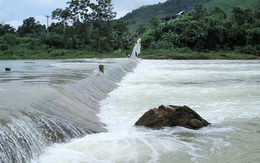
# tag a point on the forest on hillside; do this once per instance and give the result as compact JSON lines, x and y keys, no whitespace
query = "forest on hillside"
{"x":207,"y":30}
{"x":142,"y":15}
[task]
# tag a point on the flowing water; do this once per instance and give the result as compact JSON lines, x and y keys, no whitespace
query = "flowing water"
{"x":225,"y":93}
{"x":52,"y":101}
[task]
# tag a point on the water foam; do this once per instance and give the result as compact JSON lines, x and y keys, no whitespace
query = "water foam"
{"x":198,"y":84}
{"x":36,"y":114}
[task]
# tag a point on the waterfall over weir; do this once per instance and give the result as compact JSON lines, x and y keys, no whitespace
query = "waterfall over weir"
{"x":136,"y":50}
{"x":43,"y":102}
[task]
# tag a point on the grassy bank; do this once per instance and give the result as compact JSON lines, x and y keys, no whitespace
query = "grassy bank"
{"x":183,"y":54}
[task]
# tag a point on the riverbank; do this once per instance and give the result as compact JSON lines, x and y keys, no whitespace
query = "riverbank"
{"x":178,"y":54}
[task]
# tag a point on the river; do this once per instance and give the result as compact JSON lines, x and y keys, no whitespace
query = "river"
{"x":224,"y":92}
{"x":52,"y":101}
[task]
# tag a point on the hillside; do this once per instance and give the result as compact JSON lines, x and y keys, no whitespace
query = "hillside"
{"x":142,"y":15}
{"x":227,"y":5}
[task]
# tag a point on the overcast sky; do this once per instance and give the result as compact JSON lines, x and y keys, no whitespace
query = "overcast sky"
{"x":13,"y":12}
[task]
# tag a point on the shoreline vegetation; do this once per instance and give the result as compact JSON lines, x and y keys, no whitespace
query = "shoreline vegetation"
{"x":197,"y":34}
{"x":175,"y":54}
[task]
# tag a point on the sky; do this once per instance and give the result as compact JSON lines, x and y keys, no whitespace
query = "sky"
{"x":13,"y":12}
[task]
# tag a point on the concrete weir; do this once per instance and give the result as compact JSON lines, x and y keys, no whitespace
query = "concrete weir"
{"x":56,"y":112}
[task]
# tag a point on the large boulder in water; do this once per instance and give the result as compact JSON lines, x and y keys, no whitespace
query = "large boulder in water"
{"x":170,"y":116}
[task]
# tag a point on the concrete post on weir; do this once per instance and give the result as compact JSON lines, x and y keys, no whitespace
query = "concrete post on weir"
{"x":7,"y":69}
{"x":101,"y":68}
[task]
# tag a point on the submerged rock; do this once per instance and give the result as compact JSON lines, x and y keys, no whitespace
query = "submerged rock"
{"x":170,"y":116}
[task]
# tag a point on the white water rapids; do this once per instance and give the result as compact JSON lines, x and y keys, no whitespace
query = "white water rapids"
{"x":225,"y":93}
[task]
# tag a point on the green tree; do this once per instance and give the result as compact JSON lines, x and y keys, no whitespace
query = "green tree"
{"x":102,"y":11}
{"x":216,"y":34}
{"x":216,"y":29}
{"x":194,"y":35}
{"x":148,"y":38}
{"x":141,"y":29}
{"x":80,"y":9}
{"x":84,"y":10}
{"x":118,"y":36}
{"x":31,"y":27}
{"x":155,"y":22}
{"x":6,"y":28}
{"x":99,"y":14}
{"x":10,"y":39}
{"x":63,"y":16}
{"x":242,"y":15}
{"x":241,"y":23}
{"x":200,"y":12}
{"x":218,"y":13}
{"x":169,"y":36}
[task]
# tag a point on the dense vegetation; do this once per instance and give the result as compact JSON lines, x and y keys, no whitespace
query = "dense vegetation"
{"x":227,"y":5}
{"x":203,"y":30}
{"x":140,"y":17}
{"x":85,"y":29}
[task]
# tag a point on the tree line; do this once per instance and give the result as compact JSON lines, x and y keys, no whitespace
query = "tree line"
{"x":204,"y":30}
{"x":88,"y":26}
{"x":82,"y":25}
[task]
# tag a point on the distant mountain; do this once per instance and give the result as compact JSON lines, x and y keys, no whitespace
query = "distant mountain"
{"x":142,"y":15}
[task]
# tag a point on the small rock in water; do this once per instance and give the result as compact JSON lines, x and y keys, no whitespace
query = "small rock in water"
{"x":170,"y":116}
